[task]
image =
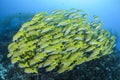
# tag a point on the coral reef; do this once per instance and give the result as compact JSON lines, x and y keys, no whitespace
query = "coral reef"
{"x":3,"y":72}
{"x":7,"y":69}
{"x":59,"y":41}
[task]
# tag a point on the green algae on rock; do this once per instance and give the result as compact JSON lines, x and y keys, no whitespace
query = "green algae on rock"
{"x":60,"y":40}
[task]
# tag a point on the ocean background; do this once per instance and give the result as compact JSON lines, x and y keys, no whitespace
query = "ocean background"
{"x":13,"y":13}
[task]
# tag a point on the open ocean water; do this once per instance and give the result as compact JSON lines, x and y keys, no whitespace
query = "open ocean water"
{"x":13,"y":13}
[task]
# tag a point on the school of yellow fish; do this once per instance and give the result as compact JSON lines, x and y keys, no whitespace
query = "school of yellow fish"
{"x":59,"y":41}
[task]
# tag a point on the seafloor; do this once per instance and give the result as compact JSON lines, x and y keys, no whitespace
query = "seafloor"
{"x":105,"y":68}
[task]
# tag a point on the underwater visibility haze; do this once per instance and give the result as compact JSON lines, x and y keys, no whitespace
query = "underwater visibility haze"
{"x":59,"y":40}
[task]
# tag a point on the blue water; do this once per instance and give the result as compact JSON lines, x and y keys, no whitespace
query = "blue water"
{"x":108,"y":10}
